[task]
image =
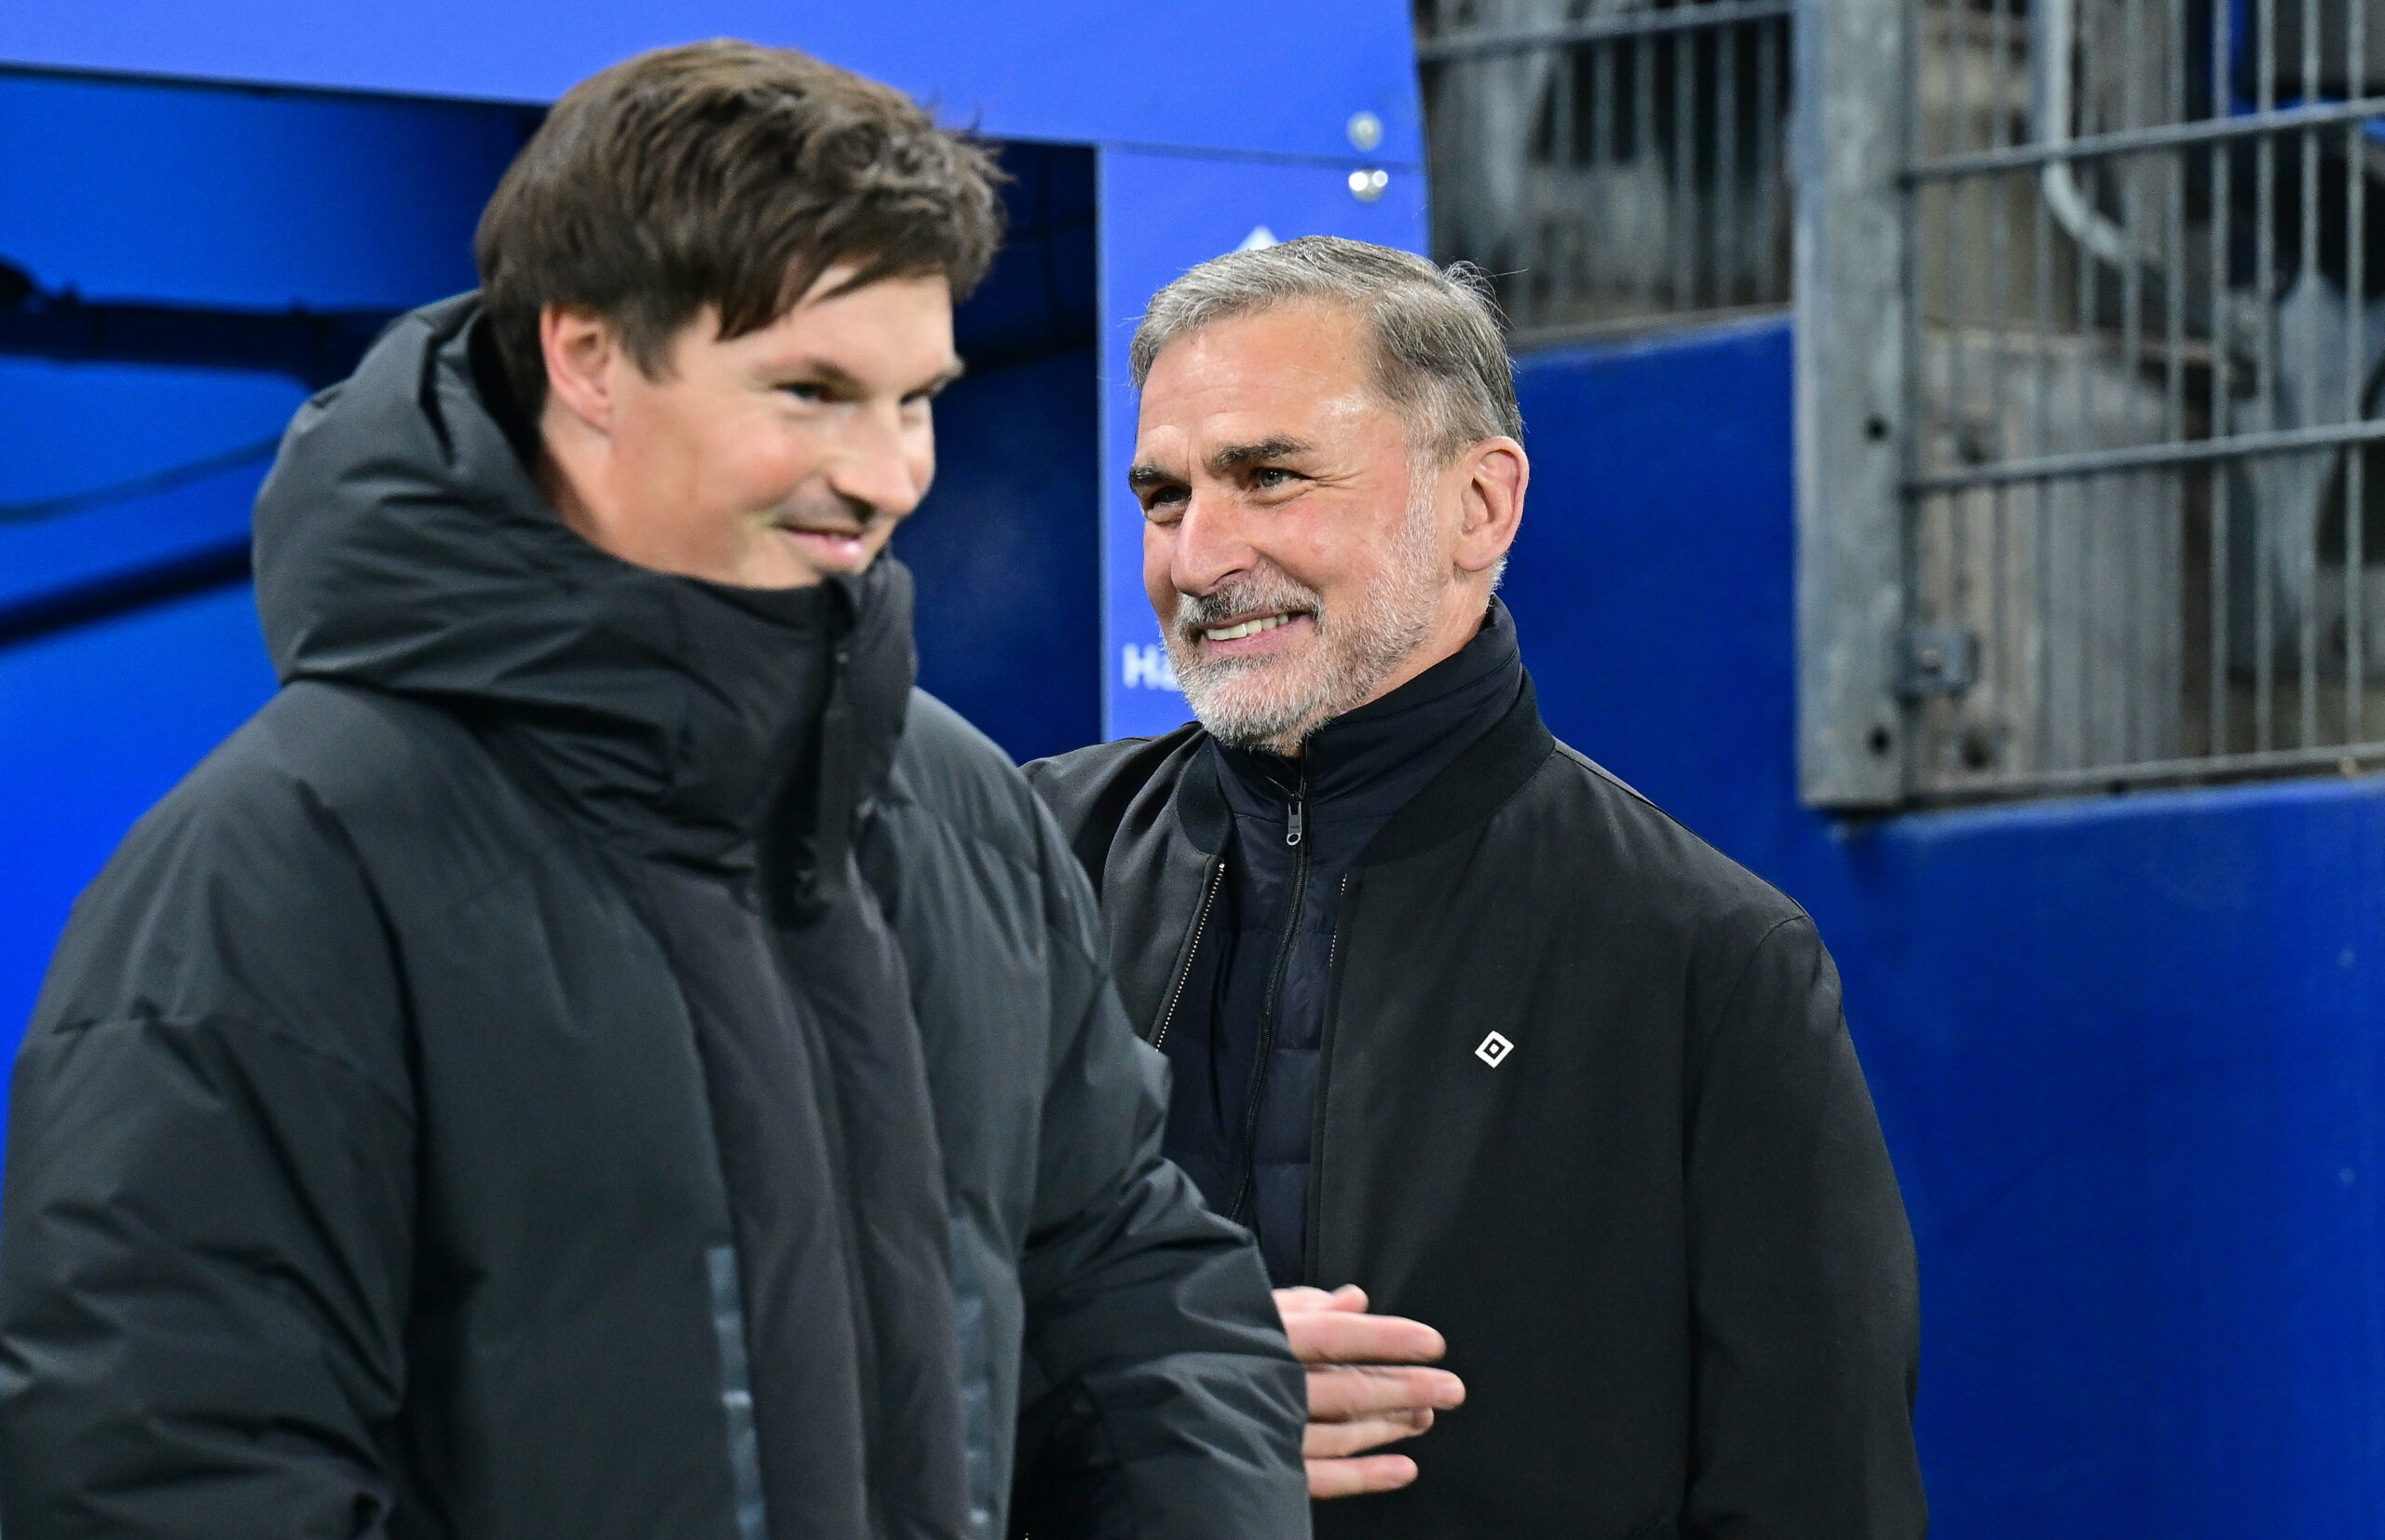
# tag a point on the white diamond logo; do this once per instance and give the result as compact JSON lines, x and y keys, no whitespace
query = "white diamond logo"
{"x":1495,"y":1050}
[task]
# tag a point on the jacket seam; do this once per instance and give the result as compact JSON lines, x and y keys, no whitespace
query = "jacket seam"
{"x":380,"y":698}
{"x":1040,"y":872}
{"x":953,"y":825}
{"x":1731,"y":1001}
{"x":283,"y":1036}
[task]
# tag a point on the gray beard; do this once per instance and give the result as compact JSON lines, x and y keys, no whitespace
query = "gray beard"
{"x":1275,"y":706}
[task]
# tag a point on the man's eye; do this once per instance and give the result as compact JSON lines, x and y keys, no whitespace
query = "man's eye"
{"x":806,"y":390}
{"x":1268,"y":477}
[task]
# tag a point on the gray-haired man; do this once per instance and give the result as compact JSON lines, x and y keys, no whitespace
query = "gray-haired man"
{"x":1454,"y":1015}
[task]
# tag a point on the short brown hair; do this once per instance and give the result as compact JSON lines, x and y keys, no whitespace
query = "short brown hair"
{"x":730,"y":176}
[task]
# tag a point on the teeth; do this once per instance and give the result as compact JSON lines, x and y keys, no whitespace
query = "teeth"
{"x":1247,"y":628}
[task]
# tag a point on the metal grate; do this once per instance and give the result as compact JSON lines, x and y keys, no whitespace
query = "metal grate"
{"x":1614,"y":164}
{"x":2134,"y":493}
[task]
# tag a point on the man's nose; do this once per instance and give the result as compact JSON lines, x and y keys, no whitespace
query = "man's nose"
{"x":1211,"y":544}
{"x":877,"y":464}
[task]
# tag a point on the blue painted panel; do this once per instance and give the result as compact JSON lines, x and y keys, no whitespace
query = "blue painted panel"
{"x":1006,"y":546}
{"x":1283,"y":79}
{"x":1652,"y":571}
{"x":2129,"y":1057}
{"x":2125,"y":1049}
{"x":95,"y":726}
{"x":72,"y":430}
{"x":232,"y":198}
{"x":1161,"y":213}
{"x":1005,"y":552}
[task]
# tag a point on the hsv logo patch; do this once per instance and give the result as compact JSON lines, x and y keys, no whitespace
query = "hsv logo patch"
{"x":1495,"y":1050}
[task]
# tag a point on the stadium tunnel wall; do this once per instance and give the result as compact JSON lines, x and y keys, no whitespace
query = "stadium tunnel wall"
{"x":2125,"y":1048}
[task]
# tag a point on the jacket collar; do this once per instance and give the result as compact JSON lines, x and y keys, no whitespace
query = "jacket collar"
{"x":1467,"y":790}
{"x":1365,"y":765}
{"x":1475,"y":785}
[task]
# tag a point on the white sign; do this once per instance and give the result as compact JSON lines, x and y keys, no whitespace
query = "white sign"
{"x":1147,"y":667}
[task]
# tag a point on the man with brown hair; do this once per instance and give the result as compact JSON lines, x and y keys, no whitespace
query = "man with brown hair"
{"x":599,"y":1054}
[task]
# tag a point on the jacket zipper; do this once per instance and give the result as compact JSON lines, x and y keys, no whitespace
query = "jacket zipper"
{"x":1294,"y":829}
{"x":1200,"y":924}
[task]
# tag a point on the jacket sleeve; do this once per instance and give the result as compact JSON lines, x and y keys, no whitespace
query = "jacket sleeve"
{"x":1159,"y":1400}
{"x":205,"y":1238}
{"x":1802,"y":1271}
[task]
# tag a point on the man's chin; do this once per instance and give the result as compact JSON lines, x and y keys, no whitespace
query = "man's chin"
{"x":1253,"y":719}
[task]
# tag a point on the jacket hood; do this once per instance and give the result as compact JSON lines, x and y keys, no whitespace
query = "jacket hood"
{"x":402,"y":545}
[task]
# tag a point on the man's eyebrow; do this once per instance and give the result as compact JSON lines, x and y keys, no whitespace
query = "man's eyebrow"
{"x":1146,"y":474}
{"x":829,"y":372}
{"x":1238,"y":456}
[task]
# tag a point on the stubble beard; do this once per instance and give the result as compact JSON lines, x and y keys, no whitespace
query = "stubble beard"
{"x":1274,"y":704}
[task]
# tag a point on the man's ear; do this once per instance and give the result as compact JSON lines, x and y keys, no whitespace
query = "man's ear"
{"x":580,"y":347}
{"x":1492,"y":501}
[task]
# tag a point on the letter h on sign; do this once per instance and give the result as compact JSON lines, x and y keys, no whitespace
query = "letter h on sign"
{"x":1147,"y":668}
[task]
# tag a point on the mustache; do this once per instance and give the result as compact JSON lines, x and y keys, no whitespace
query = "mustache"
{"x":1270,"y":594}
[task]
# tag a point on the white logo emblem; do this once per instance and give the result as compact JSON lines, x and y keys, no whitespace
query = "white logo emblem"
{"x":1495,"y":1050}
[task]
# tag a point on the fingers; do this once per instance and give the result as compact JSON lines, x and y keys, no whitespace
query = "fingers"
{"x":1340,"y":1336}
{"x":1343,"y":1393}
{"x":1356,"y":1478}
{"x":1327,"y":1441}
{"x":1349,"y":1297}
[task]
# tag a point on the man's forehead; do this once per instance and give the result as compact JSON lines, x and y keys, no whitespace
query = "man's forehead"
{"x":1290,"y":349}
{"x":1226,"y":392}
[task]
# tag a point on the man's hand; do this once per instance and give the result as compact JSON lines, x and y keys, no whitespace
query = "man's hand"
{"x":1358,"y":1395}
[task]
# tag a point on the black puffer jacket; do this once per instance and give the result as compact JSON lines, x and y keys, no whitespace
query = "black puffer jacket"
{"x":598,"y":1055}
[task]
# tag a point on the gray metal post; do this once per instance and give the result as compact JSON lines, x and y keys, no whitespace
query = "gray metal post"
{"x":1852,"y":431}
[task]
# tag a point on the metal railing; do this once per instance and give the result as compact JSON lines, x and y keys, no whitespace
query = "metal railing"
{"x":2099,"y":510}
{"x":1614,"y":164}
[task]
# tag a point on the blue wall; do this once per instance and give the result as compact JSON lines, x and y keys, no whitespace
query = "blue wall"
{"x":1278,"y":79}
{"x":2125,"y":1049}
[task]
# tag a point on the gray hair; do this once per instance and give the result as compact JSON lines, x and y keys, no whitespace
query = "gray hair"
{"x":1438,"y":360}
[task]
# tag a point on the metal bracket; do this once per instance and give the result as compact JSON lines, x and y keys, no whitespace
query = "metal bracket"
{"x":1940,"y":661}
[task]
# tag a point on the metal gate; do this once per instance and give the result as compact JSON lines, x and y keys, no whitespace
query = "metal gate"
{"x":2090,"y":347}
{"x":1614,"y":164}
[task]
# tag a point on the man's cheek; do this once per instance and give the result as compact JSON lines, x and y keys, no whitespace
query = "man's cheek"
{"x":1158,"y":559}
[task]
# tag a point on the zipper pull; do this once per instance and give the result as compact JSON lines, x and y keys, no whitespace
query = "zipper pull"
{"x":1292,"y":829}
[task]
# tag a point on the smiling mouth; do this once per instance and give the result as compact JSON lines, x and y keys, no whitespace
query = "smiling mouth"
{"x":1253,"y":627}
{"x":836,"y":544}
